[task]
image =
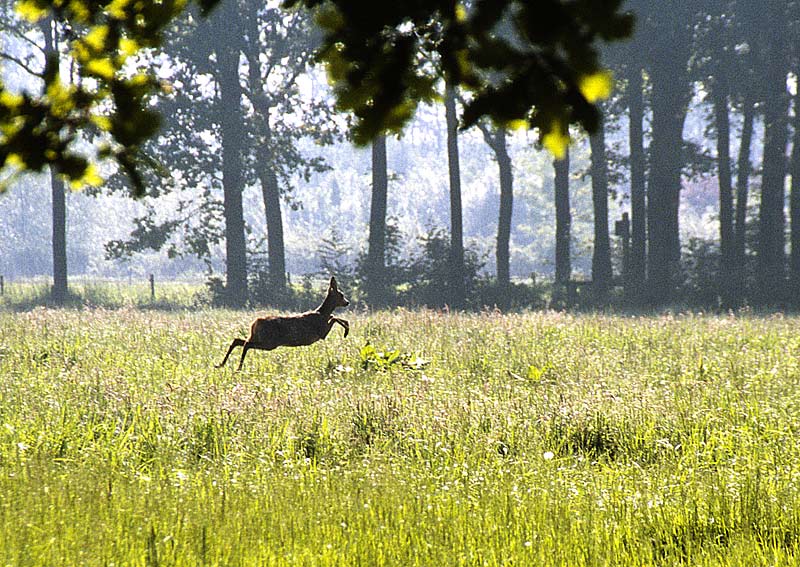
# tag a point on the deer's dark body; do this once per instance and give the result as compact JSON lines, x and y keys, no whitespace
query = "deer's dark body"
{"x":267,"y":333}
{"x":297,"y":330}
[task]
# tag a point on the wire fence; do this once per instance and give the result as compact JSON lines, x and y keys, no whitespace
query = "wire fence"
{"x":104,"y":292}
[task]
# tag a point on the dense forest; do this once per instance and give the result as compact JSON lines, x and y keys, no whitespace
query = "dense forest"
{"x":685,"y":193}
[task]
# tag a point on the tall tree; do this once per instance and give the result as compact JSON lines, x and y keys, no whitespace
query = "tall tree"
{"x":726,"y":229}
{"x":747,"y":56}
{"x":743,"y":169}
{"x":457,"y":286}
{"x":715,"y":62}
{"x":232,"y":134}
{"x":601,"y":255}
{"x":771,"y":238}
{"x":279,"y":48}
{"x":671,"y":33}
{"x":41,"y":65}
{"x":563,"y":222}
{"x":376,"y":253}
{"x":638,"y":258}
{"x":794,"y":208}
{"x":495,"y":138}
{"x":50,"y":31}
{"x":271,"y":196}
{"x":273,"y":118}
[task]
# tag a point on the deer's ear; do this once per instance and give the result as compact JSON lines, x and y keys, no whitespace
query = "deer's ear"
{"x":333,"y":282}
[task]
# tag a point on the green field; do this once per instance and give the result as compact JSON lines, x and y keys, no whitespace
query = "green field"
{"x":533,"y":439}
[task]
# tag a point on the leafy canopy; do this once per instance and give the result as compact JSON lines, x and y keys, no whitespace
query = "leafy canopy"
{"x":37,"y":130}
{"x":531,"y":63}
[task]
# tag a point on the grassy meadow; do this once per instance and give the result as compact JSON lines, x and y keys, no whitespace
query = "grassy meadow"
{"x":421,"y":439}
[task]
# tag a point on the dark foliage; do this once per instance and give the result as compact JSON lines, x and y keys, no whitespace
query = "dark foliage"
{"x":523,"y":60}
{"x":430,"y":281}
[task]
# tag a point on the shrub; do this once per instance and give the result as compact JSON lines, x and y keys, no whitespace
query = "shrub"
{"x":430,"y":280}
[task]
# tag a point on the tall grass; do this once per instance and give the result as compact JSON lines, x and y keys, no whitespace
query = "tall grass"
{"x":536,"y":439}
{"x":108,"y":294}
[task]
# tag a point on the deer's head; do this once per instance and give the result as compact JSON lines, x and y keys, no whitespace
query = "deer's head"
{"x":338,"y":296}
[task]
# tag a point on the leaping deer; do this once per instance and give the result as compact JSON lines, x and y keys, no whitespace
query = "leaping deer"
{"x":267,"y":333}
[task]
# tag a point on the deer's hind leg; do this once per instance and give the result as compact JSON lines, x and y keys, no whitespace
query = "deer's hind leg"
{"x":234,"y":344}
{"x":250,"y":344}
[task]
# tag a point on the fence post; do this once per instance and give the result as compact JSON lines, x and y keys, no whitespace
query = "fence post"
{"x":152,"y":287}
{"x":2,"y":286}
{"x":622,"y":228}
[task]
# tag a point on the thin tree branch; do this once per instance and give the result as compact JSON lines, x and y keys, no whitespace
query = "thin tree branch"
{"x":491,"y":138}
{"x":22,"y":64}
{"x":14,"y":30}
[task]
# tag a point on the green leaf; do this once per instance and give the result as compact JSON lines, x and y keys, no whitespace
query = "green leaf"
{"x":31,"y":10}
{"x":535,"y":373}
{"x":596,"y":86}
{"x":96,"y":38}
{"x":102,"y":68}
{"x":556,"y":140}
{"x":367,"y":352}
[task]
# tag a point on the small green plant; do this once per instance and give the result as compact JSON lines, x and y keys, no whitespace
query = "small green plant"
{"x":371,"y":358}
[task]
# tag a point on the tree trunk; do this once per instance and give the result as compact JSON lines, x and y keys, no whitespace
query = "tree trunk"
{"x":771,"y":242}
{"x":669,"y":105}
{"x":376,"y":254}
{"x":503,"y":255}
{"x":457,"y":294}
{"x":601,"y":256}
{"x":230,"y":114}
{"x":563,"y":222}
{"x":722,"y":120}
{"x":743,"y":169}
{"x":276,"y":251}
{"x":794,"y":209}
{"x":60,"y":291}
{"x":638,"y":257}
{"x":59,"y":203}
{"x":266,"y":161}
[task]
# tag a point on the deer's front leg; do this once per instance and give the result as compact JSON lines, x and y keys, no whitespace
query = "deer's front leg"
{"x":345,"y":325}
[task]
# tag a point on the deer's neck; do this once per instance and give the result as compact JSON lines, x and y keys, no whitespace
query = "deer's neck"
{"x":327,"y":307}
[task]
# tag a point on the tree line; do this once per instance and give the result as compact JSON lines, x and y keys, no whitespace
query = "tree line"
{"x":240,"y":105}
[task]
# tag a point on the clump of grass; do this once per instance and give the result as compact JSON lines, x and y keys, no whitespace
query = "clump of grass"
{"x":374,"y":419}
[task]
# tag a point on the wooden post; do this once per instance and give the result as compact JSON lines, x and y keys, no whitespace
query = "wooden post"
{"x":152,"y":287}
{"x":2,"y":286}
{"x":622,"y":228}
